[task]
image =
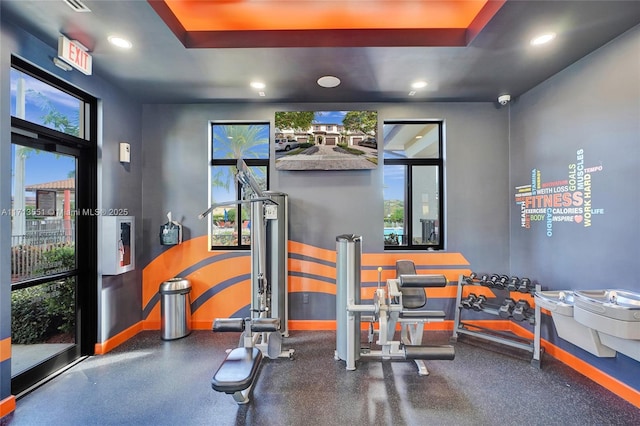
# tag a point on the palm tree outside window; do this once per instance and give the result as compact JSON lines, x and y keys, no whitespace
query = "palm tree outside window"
{"x":230,"y":226}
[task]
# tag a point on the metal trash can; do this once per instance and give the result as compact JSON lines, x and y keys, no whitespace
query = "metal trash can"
{"x":175,"y":308}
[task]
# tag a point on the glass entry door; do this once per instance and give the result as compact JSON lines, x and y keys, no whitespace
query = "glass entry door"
{"x":54,"y":133}
{"x":44,"y":266}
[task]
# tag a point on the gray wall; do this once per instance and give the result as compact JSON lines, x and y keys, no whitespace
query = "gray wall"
{"x":325,"y":204}
{"x":595,"y":106}
{"x":120,"y":296}
{"x":118,"y":186}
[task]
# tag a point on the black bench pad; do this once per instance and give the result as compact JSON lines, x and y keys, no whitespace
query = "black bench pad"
{"x":228,"y":324}
{"x":238,"y":370}
{"x":422,"y":280}
{"x":260,"y":325}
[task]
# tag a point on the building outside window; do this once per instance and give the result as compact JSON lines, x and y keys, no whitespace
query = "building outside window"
{"x":413,"y":185}
{"x":230,"y":221}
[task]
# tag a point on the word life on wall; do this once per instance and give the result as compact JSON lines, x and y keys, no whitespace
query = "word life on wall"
{"x":560,"y":201}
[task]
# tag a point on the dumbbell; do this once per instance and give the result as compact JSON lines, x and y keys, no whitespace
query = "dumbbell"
{"x":483,"y":279}
{"x":466,"y":303}
{"x":522,"y":311}
{"x":525,"y":285}
{"x":478,"y":304}
{"x":493,"y":280}
{"x":513,"y":284}
{"x":502,"y":282}
{"x":506,"y":308}
{"x":470,"y":278}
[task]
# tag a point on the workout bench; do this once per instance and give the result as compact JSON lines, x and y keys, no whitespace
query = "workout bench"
{"x":239,"y":370}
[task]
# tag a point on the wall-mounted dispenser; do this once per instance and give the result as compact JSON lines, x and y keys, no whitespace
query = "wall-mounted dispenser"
{"x":170,"y":232}
{"x":125,"y":152}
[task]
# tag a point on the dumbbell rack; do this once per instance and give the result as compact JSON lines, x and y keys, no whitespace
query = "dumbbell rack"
{"x":505,"y":338}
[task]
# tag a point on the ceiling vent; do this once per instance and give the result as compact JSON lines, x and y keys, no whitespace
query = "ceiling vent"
{"x":77,"y":5}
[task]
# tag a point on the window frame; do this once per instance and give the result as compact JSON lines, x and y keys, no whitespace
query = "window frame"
{"x":232,"y":162}
{"x":409,"y":163}
{"x":88,"y":104}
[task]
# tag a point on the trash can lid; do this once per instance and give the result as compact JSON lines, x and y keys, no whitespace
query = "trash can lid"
{"x":349,"y":238}
{"x":175,"y":284}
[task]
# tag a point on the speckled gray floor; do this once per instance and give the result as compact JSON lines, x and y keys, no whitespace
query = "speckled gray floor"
{"x":150,"y":382}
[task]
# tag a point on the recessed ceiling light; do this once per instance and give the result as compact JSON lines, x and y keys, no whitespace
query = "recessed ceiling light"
{"x":328,"y":81}
{"x":542,"y":39}
{"x":257,"y":85}
{"x":120,"y":42}
{"x":261,"y":94}
{"x":419,"y":85}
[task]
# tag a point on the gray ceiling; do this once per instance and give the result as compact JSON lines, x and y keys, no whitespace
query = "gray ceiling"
{"x":159,"y":69}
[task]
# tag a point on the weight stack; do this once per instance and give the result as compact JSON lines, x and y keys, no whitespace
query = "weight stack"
{"x":348,"y":264}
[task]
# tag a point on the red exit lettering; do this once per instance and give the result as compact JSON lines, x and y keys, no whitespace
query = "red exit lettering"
{"x":78,"y":56}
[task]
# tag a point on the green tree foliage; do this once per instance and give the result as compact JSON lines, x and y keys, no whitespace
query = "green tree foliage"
{"x":237,"y":141}
{"x":53,"y":117}
{"x":294,"y":120}
{"x":361,"y":121}
{"x":234,"y":141}
{"x":40,"y":312}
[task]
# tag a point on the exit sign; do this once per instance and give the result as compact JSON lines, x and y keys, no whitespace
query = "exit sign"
{"x":74,"y":54}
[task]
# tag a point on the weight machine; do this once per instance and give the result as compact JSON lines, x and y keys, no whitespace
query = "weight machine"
{"x":262,"y":332}
{"x":397,"y":303}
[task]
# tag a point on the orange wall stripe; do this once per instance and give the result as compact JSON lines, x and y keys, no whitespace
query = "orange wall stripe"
{"x":300,"y":284}
{"x":614,"y":385}
{"x":420,"y":259}
{"x":312,"y":251}
{"x":501,"y":325}
{"x":154,"y":324}
{"x":5,"y":349}
{"x":7,"y":406}
{"x":171,"y":262}
{"x":307,"y":267}
{"x":226,"y":303}
{"x":312,"y":325}
{"x":118,"y":339}
{"x":213,"y":274}
{"x":623,"y":390}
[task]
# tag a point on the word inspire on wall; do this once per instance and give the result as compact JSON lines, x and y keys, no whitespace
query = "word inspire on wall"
{"x":567,"y":200}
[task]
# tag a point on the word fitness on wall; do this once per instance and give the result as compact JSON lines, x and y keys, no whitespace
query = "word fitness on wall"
{"x":566,"y":200}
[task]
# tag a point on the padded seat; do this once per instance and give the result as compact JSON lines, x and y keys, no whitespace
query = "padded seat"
{"x":238,"y":370}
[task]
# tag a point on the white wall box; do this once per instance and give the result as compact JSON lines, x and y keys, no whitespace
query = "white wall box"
{"x":118,"y":244}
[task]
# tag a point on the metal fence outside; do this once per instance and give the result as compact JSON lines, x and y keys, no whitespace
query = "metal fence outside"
{"x":28,"y":251}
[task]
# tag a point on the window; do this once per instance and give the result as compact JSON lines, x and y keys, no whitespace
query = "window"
{"x":41,"y":103}
{"x":230,"y":221}
{"x":413,"y":185}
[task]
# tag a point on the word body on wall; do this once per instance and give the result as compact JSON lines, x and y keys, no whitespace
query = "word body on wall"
{"x":559,"y":201}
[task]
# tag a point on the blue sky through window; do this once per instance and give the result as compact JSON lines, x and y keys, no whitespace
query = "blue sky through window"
{"x":42,"y":98}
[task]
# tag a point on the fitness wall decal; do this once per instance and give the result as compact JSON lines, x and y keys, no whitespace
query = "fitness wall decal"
{"x":567,"y":200}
